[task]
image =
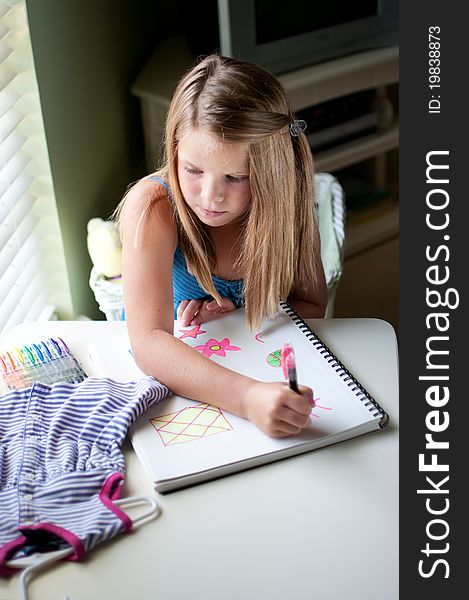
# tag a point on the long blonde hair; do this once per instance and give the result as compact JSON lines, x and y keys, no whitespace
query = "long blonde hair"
{"x":237,"y":101}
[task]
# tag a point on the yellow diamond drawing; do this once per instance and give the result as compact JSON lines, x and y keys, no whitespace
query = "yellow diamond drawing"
{"x":190,"y":423}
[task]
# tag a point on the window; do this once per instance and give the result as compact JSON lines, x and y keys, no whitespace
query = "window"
{"x":33,"y":278}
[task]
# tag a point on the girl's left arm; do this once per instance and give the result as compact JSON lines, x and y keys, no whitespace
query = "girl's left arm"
{"x":309,"y":299}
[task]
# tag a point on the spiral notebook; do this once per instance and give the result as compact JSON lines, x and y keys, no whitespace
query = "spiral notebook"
{"x":181,"y":442}
{"x":48,"y":361}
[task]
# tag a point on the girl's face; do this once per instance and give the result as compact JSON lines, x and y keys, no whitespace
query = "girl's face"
{"x":214,"y":177}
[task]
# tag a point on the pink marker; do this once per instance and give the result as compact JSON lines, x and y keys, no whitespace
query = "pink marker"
{"x":287,"y":360}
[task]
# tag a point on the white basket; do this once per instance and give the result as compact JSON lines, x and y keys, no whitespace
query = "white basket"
{"x":109,"y":295}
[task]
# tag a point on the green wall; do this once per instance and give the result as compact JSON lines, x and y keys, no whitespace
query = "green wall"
{"x":87,"y":54}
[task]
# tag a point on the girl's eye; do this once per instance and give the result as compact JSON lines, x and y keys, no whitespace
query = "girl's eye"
{"x":234,"y":179}
{"x":192,"y":171}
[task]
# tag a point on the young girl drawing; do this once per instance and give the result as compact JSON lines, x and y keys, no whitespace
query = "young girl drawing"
{"x":228,"y":221}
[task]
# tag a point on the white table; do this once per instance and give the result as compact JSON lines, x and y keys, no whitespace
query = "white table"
{"x":321,"y":525}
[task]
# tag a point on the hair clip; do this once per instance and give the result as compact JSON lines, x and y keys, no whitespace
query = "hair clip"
{"x":298,"y":126}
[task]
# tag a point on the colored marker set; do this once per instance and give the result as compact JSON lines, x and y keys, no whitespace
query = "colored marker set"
{"x":48,"y":361}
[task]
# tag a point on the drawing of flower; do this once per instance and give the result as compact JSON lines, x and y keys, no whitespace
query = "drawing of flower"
{"x":213,"y":346}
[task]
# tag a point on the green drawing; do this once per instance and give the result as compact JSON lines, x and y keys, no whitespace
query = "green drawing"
{"x":274,"y":358}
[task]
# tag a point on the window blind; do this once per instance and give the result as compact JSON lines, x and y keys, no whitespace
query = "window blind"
{"x":33,"y":278}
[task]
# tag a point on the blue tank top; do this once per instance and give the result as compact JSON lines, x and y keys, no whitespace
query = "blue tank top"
{"x":186,"y":286}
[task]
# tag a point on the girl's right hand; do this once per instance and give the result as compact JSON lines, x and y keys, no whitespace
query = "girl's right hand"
{"x":196,"y":312}
{"x":277,"y":410}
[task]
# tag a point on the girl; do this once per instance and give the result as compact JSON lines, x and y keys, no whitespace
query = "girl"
{"x":228,"y":221}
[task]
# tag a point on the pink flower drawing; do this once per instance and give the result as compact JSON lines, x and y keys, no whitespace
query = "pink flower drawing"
{"x":213,"y":346}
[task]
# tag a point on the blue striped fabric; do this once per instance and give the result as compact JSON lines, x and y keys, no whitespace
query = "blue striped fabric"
{"x":186,"y":286}
{"x":61,"y":465}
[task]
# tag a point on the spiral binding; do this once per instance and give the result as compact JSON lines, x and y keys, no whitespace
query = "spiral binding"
{"x":360,"y":392}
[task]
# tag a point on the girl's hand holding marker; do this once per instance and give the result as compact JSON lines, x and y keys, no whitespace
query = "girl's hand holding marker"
{"x":277,"y":410}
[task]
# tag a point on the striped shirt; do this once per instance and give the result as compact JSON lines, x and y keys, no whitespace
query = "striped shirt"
{"x":61,"y":465}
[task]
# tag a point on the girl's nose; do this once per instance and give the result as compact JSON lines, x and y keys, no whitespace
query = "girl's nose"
{"x":211,"y":191}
